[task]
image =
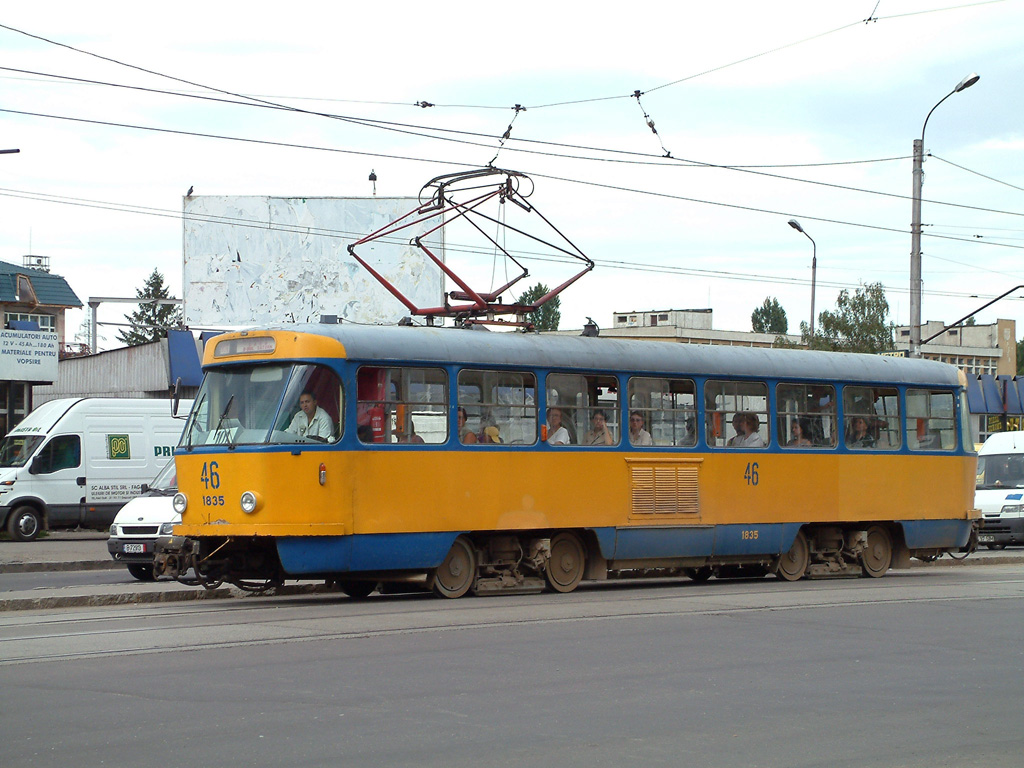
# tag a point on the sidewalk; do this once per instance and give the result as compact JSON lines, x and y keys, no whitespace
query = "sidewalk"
{"x":87,"y":551}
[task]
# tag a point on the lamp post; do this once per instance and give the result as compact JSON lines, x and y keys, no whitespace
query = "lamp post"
{"x":915,"y":226}
{"x":814,"y":265}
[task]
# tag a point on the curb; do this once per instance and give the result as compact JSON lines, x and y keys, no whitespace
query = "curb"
{"x":122,"y":598}
{"x":72,"y":565}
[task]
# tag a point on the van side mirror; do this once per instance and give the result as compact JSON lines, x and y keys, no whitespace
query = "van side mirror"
{"x":144,"y":489}
{"x":35,"y":467}
{"x":177,"y":397}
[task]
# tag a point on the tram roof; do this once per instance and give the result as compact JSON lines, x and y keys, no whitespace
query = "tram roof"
{"x":485,"y":348}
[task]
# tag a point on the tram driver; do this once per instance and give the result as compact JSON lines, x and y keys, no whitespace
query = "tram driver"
{"x":311,"y":421}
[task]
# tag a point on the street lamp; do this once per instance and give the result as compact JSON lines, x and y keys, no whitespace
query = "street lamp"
{"x":915,"y":226}
{"x":814,"y":264}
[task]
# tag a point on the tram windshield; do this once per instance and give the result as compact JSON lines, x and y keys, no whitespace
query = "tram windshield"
{"x":281,"y":403}
{"x":1000,"y":470}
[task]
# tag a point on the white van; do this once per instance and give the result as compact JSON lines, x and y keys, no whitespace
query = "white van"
{"x":999,"y":493}
{"x":75,"y":462}
{"x":142,"y":521}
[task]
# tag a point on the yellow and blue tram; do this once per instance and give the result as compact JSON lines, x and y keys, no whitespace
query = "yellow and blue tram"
{"x":508,"y":461}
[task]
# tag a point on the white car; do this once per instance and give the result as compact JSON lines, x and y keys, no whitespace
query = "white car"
{"x":142,"y":521}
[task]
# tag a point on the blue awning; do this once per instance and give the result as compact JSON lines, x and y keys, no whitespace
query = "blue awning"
{"x":1012,"y":394}
{"x":975,"y":398}
{"x":184,"y":359}
{"x":993,"y":394}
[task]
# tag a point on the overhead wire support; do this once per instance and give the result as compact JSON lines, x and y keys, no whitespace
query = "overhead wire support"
{"x":650,"y":123}
{"x":508,"y":132}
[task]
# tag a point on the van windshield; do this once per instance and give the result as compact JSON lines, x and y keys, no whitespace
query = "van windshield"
{"x":260,"y":404}
{"x":15,"y":450}
{"x":1000,"y":470}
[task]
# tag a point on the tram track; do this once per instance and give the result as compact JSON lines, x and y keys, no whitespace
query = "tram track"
{"x":305,"y":619}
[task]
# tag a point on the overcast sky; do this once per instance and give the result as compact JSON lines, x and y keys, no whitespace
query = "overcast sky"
{"x":831,"y":102}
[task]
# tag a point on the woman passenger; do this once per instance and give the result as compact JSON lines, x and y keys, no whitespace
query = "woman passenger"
{"x":466,"y":435}
{"x":801,"y":431}
{"x":857,"y":436}
{"x":599,"y":433}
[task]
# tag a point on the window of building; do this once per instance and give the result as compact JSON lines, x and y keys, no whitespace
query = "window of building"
{"x":736,"y":414}
{"x":45,"y":322}
{"x":662,"y":412}
{"x":500,"y":407}
{"x":589,"y":407}
{"x":872,"y":418}
{"x":931,"y":421}
{"x":806,"y":415}
{"x":402,"y":405}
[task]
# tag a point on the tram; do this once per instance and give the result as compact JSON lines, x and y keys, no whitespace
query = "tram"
{"x":480,"y":461}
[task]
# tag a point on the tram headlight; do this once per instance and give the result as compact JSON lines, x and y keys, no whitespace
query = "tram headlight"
{"x":179,"y":503}
{"x":250,"y":502}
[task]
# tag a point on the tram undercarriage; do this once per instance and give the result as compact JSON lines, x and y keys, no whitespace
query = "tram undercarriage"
{"x":511,"y":562}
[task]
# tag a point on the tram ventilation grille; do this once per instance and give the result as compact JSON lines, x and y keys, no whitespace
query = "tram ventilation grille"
{"x":665,"y":489}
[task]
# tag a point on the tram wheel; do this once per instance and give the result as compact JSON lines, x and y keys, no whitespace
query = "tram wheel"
{"x":456,"y":574}
{"x":357,"y":590}
{"x":793,"y":564}
{"x":701,"y":574}
{"x":877,"y":557}
{"x":564,"y":570}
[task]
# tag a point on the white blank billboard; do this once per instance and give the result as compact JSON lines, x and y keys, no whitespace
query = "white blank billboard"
{"x":252,"y":260}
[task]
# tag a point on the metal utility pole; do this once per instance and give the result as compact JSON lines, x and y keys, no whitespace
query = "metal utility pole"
{"x":814,"y":265}
{"x":915,"y":225}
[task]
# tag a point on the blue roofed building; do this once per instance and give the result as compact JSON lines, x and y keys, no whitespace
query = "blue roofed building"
{"x":33,"y":302}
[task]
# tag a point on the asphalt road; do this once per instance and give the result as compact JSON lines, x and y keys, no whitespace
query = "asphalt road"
{"x":920,"y":668}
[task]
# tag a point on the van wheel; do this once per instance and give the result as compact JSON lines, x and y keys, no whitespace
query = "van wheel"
{"x":141,"y":572}
{"x":24,"y":524}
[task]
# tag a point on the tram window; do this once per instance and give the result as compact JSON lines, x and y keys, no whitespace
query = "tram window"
{"x":806,"y":415}
{"x":931,"y":421}
{"x":501,"y":407}
{"x":402,"y":405}
{"x":318,"y":384}
{"x":872,"y":417}
{"x":667,"y":409}
{"x":736,"y":414}
{"x":589,"y":406}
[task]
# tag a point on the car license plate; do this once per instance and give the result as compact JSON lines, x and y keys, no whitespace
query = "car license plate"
{"x":133,"y":549}
{"x":985,"y":538}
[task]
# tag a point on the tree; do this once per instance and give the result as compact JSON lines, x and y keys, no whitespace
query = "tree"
{"x":770,"y":317}
{"x":151,"y":321}
{"x":547,"y":317}
{"x":1020,"y":357}
{"x":857,"y":325}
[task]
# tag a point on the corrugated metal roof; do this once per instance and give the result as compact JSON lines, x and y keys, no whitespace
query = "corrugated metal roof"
{"x":52,"y":290}
{"x":480,"y":347}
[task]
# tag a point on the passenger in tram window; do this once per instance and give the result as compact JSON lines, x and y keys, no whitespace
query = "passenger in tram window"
{"x":311,"y":421}
{"x":365,"y":433}
{"x":637,"y":434}
{"x":599,"y":433}
{"x":466,"y":435}
{"x":411,"y":436}
{"x":491,"y":435}
{"x":747,"y":434}
{"x":857,"y":435}
{"x":557,"y":434}
{"x":801,"y":432}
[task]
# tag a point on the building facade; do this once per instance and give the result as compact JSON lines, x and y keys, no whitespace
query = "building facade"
{"x":32,"y":302}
